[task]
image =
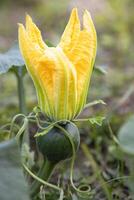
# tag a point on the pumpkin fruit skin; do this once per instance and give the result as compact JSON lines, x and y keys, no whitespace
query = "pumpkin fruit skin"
{"x":55,"y":145}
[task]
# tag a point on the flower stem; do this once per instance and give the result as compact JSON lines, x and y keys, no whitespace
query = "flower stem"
{"x":44,"y":173}
{"x":21,"y":94}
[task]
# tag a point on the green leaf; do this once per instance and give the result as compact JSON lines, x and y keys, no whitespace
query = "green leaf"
{"x":12,"y":183}
{"x":126,"y":136}
{"x":12,"y":60}
{"x":100,"y":70}
{"x":96,"y":120}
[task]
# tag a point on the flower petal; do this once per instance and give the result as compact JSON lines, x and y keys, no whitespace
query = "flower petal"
{"x":90,"y":54}
{"x":80,"y":48}
{"x":71,"y":92}
{"x":59,"y":82}
{"x":31,"y":54}
{"x":89,"y":26}
{"x":71,"y":32}
{"x":34,"y":33}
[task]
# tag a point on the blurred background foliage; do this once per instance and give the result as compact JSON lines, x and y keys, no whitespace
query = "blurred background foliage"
{"x":114,"y":21}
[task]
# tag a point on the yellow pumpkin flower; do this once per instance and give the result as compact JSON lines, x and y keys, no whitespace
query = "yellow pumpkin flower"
{"x":61,"y":74}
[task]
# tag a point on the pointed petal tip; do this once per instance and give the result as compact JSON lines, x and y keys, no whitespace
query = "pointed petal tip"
{"x":86,"y":11}
{"x":29,"y":21}
{"x":19,"y":24}
{"x":88,"y":21}
{"x":21,"y":27}
{"x":74,"y":13}
{"x":21,"y":31}
{"x":28,"y":18}
{"x":87,"y":14}
{"x":75,"y":10}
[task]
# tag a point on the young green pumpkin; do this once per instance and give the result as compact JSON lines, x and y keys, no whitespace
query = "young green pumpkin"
{"x":56,"y":146}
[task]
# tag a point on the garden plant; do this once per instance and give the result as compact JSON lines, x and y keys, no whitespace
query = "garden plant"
{"x":45,"y":141}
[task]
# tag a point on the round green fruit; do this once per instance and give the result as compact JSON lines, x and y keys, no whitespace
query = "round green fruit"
{"x":56,"y":146}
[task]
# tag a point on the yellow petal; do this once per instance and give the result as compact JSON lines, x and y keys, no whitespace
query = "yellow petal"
{"x":89,"y":26}
{"x":29,"y":50}
{"x":59,"y":81}
{"x":71,"y":92}
{"x":31,"y":54}
{"x":80,"y":48}
{"x":34,"y":33}
{"x":71,"y":32}
{"x":91,"y":47}
{"x":46,"y":69}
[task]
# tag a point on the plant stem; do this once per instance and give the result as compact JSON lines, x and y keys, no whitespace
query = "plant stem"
{"x":22,"y":102}
{"x":21,"y":94}
{"x":44,"y":173}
